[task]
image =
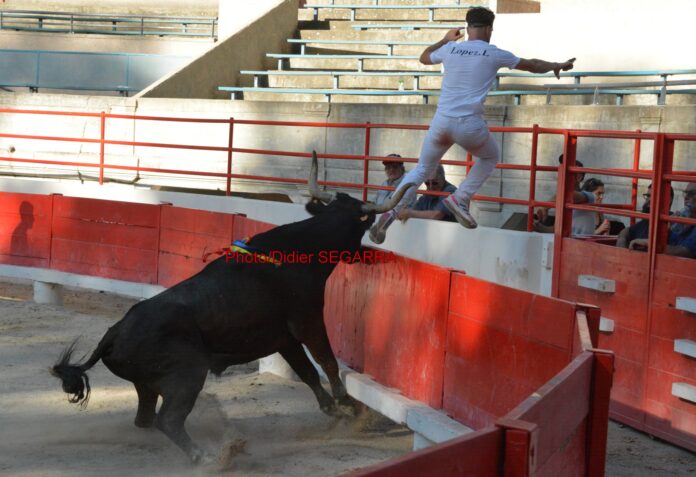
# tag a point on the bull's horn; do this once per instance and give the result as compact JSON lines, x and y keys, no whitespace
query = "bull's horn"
{"x":314,"y":187}
{"x":379,"y":209}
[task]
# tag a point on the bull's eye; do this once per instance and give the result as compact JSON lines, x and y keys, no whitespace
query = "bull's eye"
{"x":364,"y":218}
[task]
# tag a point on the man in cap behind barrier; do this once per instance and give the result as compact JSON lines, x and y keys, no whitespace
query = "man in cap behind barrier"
{"x":470,"y":69}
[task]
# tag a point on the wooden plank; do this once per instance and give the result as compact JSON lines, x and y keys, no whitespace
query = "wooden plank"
{"x":478,"y":454}
{"x":106,"y":211}
{"x":559,"y":407}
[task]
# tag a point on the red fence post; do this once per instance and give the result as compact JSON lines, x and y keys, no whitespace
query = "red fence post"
{"x":366,"y":163}
{"x":532,"y":178}
{"x":102,"y":135}
{"x":521,"y":438}
{"x":598,"y":417}
{"x":634,"y":181}
{"x":593,"y":314}
{"x":228,"y":189}
{"x":564,"y":194}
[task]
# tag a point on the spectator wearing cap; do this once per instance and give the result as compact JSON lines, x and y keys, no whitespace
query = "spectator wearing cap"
{"x":395,"y":171}
{"x":431,"y":206}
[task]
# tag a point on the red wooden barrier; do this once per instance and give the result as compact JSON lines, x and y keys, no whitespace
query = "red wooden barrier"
{"x":389,"y":321}
{"x":627,"y":307}
{"x":478,"y":454}
{"x":560,"y":409}
{"x":244,"y":227}
{"x":666,"y":415}
{"x":186,"y":235}
{"x":25,"y":229}
{"x":105,"y":238}
{"x":498,"y":354}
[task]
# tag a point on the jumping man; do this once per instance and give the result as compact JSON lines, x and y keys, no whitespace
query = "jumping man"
{"x":470,"y":69}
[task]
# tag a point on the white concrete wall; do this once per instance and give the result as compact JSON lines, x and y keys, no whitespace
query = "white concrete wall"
{"x":234,"y":15}
{"x":604,"y":34}
{"x":250,"y":32}
{"x":515,"y":259}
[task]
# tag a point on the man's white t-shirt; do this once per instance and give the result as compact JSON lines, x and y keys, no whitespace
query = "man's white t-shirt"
{"x":470,"y":69}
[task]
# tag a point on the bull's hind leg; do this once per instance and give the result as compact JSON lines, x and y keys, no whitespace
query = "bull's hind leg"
{"x":296,"y":357}
{"x":179,"y":394}
{"x":147,"y":404}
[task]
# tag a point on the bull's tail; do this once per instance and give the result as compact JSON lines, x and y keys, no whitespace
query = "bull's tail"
{"x":73,"y":377}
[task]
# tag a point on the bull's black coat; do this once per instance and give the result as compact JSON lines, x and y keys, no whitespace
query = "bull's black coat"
{"x":230,"y":313}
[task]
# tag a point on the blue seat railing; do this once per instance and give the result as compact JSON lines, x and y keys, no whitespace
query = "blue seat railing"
{"x":335,"y":75}
{"x":107,"y":24}
{"x":237,"y":91}
{"x":360,"y":58}
{"x":353,"y":8}
{"x":407,"y":26}
{"x":390,"y":44}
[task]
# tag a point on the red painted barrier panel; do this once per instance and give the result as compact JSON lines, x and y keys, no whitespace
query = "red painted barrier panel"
{"x":186,"y":236}
{"x":478,"y":454}
{"x":389,"y":321}
{"x":245,"y":227}
{"x":627,"y":307}
{"x":502,"y":344}
{"x":105,"y":238}
{"x":25,"y":229}
{"x":667,"y":416}
{"x":560,"y":410}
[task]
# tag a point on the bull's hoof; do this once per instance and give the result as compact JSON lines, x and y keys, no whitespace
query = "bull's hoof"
{"x":331,"y":410}
{"x":349,"y":407}
{"x":199,"y":456}
{"x":144,"y":422}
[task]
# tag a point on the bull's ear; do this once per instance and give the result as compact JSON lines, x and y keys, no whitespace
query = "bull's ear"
{"x":315,"y":206}
{"x":364,"y":218}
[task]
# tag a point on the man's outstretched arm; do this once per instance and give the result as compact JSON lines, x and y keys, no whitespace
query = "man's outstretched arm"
{"x":452,"y":35}
{"x":541,"y":66}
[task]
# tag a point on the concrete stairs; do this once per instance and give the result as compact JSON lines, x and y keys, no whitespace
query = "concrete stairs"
{"x":334,"y":24}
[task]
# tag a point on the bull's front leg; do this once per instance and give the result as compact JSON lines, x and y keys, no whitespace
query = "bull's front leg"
{"x":317,"y":342}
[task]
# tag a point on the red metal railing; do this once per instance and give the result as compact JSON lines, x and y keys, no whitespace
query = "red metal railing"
{"x":664,"y":146}
{"x":661,"y":173}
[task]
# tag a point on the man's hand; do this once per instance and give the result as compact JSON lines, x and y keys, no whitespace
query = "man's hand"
{"x":404,"y":214}
{"x":565,"y":66}
{"x":455,"y":34}
{"x":603,"y":228}
{"x":541,"y":214}
{"x":638,"y":244}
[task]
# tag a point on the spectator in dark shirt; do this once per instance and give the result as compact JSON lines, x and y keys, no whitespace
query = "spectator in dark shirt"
{"x":682,"y":237}
{"x":640,"y":229}
{"x":431,"y":206}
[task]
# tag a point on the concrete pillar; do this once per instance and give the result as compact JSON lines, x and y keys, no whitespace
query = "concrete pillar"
{"x":48,"y":293}
{"x":275,"y":364}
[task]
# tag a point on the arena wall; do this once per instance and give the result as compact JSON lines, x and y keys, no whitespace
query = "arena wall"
{"x":259,"y":30}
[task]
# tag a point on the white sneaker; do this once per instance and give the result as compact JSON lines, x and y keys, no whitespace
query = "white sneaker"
{"x":378,"y":232}
{"x":460,"y":210}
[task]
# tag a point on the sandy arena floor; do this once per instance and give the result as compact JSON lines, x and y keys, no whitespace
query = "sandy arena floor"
{"x":283,"y":431}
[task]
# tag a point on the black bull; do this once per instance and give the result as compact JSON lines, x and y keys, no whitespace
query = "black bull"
{"x":232,"y":313}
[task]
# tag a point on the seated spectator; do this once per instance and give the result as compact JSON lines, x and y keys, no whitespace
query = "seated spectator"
{"x":682,"y":237}
{"x":394,"y":170}
{"x":587,"y":222}
{"x":431,"y":206}
{"x":549,"y":219}
{"x":640,"y":229}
